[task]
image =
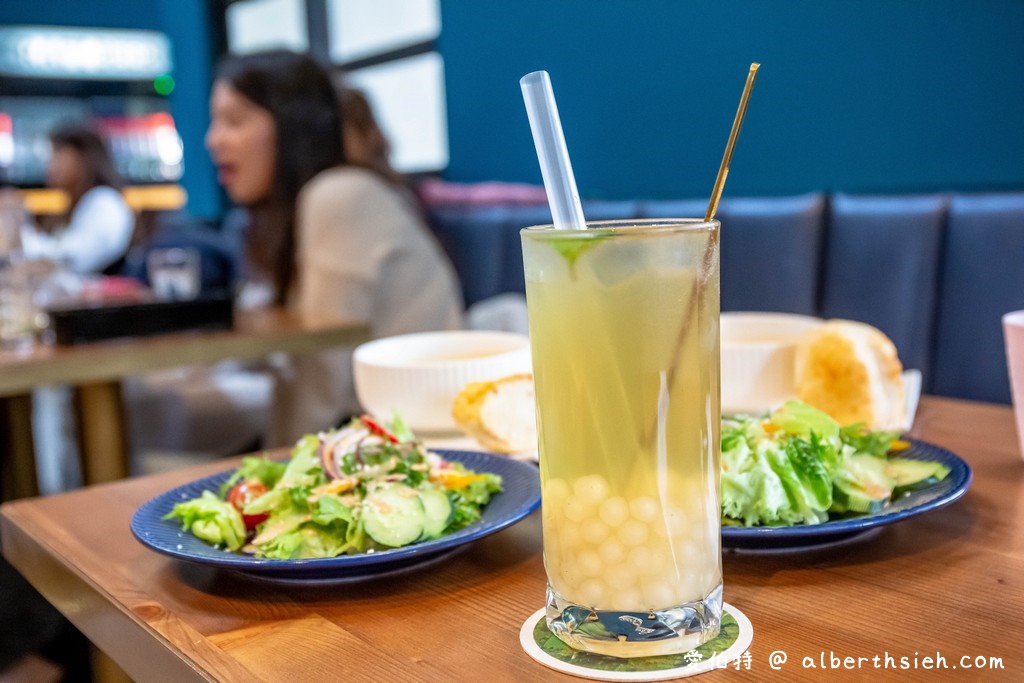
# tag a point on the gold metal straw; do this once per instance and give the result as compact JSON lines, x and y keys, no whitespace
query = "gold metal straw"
{"x":708,"y":262}
{"x":723,"y":170}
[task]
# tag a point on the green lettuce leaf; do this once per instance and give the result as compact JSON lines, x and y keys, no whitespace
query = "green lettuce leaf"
{"x":305,"y":542}
{"x":254,"y":467}
{"x":795,"y":417}
{"x":211,"y":519}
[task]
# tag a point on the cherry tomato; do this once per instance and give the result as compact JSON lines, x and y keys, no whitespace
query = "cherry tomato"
{"x":243,"y":493}
{"x":378,"y":428}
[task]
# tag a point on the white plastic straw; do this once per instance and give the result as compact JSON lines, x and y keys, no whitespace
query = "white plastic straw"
{"x":559,"y":182}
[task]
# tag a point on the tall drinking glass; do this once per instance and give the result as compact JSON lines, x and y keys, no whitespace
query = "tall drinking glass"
{"x":624,"y":333}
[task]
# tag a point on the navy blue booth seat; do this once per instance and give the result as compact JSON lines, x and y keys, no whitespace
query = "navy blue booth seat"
{"x":474,"y":240}
{"x":770,"y":249}
{"x":982,"y":278}
{"x":881,"y":267}
{"x":934,"y":272}
{"x":771,"y":253}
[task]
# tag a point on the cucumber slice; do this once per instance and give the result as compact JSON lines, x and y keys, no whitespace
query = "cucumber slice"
{"x":439,"y":512}
{"x":393,"y":515}
{"x":863,"y":485}
{"x":912,"y":475}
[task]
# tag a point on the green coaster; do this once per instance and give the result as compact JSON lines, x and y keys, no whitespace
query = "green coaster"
{"x":721,"y":652}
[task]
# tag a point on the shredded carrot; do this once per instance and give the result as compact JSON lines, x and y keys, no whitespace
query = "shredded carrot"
{"x":899,"y":445}
{"x":769,"y":427}
{"x":453,"y":479}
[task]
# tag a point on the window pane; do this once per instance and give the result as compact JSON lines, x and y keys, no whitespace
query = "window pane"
{"x":357,"y":28}
{"x":408,"y":99}
{"x":266,"y":24}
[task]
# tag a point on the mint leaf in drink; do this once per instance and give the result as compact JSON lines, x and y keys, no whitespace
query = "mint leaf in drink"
{"x":572,"y":248}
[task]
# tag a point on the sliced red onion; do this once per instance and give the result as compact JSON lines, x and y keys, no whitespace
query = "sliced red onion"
{"x":334,"y":446}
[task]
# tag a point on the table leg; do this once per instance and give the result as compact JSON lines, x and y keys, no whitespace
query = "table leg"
{"x":102,"y":441}
{"x":17,"y":454}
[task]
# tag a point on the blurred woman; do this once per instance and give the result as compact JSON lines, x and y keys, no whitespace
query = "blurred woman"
{"x":97,"y":227}
{"x":362,"y":139}
{"x":326,"y":237}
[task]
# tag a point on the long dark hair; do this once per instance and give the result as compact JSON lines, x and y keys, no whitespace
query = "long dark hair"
{"x":299,"y":95}
{"x":92,"y":146}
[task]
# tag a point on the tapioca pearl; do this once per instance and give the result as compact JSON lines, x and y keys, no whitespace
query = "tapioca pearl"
{"x":555,"y":492}
{"x":593,"y":531}
{"x":708,"y":581}
{"x":561,"y":583}
{"x":658,"y":594}
{"x":613,"y":511}
{"x":588,"y":563}
{"x":691,"y":552}
{"x":664,"y":563}
{"x":639,"y":559}
{"x":633,"y":532}
{"x":673,"y":522}
{"x":567,"y":578}
{"x":692,"y":586}
{"x":592,"y":593}
{"x":564,"y":535}
{"x":592,"y":489}
{"x":612,"y":551}
{"x":644,"y":508}
{"x":620,"y":576}
{"x":577,"y":509}
{"x":570,"y":536}
{"x":627,"y":600}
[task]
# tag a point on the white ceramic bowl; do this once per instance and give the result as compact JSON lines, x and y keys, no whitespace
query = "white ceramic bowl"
{"x":419,"y":375}
{"x":758,"y":359}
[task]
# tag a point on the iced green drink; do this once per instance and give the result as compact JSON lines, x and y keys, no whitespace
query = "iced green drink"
{"x":624,"y":331}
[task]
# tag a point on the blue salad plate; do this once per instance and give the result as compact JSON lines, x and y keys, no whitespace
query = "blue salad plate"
{"x":519,"y":497}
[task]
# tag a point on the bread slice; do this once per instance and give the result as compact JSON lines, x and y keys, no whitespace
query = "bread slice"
{"x":852,"y":371}
{"x":499,"y":414}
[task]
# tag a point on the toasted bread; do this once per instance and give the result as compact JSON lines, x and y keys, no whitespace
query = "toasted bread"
{"x":852,"y":371}
{"x":499,"y":414}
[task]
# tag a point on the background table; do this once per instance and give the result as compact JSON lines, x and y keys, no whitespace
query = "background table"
{"x":95,"y":370}
{"x":949,"y":582}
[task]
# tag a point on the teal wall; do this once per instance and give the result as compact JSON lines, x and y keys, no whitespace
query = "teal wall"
{"x":853,"y":95}
{"x":858,"y":96}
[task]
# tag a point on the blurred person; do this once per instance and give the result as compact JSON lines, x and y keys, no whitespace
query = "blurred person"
{"x":363,"y":140}
{"x":97,"y":227}
{"x":325,"y":236}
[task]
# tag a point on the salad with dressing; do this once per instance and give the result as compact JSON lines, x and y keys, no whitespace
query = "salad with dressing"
{"x":797,"y":465}
{"x":365,"y":487}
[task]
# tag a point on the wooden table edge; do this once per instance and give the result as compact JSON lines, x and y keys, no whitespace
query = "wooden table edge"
{"x":120,"y":632}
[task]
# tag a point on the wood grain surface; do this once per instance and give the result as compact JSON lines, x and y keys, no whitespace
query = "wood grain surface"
{"x":949,"y":584}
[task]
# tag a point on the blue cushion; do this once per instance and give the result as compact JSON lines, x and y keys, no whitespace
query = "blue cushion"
{"x":473,"y":238}
{"x":605,"y":210}
{"x":770,"y":253}
{"x":673,"y":208}
{"x":882,"y":268}
{"x":982,"y":278}
{"x":519,"y":217}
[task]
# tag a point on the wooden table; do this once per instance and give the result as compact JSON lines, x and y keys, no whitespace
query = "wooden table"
{"x":949,"y":583}
{"x":95,"y":370}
